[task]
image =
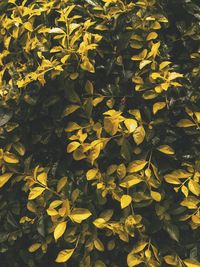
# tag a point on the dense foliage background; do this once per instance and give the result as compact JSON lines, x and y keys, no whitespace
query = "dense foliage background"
{"x":99,"y":133}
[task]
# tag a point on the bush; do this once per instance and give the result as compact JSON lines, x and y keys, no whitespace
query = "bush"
{"x":100,"y":140}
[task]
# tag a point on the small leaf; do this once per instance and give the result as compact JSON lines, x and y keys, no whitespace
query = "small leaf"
{"x":4,"y":178}
{"x":191,"y":263}
{"x":42,"y":178}
{"x":133,"y":260}
{"x":98,"y":245}
{"x":61,"y":183}
{"x":78,"y":214}
{"x":184,"y":123}
{"x":152,"y":36}
{"x":72,"y":146}
{"x":59,"y":230}
{"x":156,"y":196}
{"x":34,"y":247}
{"x":91,"y":174}
{"x":64,"y":255}
{"x":130,"y":124}
{"x":171,"y":260}
{"x":158,"y":106}
{"x":139,"y":135}
{"x":35,"y":192}
{"x":166,"y":149}
{"x":194,"y":187}
{"x":10,"y":158}
{"x":136,"y":166}
{"x":125,"y":201}
{"x":70,"y":109}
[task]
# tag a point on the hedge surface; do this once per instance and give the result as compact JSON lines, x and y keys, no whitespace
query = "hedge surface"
{"x":99,"y":133}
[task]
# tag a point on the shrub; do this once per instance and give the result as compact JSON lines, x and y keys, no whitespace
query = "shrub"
{"x":99,"y":123}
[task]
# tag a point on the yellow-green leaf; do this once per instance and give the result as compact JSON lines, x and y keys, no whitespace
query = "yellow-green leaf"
{"x":59,"y":230}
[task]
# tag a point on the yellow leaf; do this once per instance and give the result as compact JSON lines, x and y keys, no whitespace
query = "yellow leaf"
{"x":166,"y":149}
{"x":144,"y":63}
{"x":91,"y":174}
{"x":185,"y":123}
{"x":10,"y":158}
{"x":184,"y":190}
{"x":19,"y":148}
{"x":191,"y":263}
{"x":70,"y":109}
{"x":152,"y":36}
{"x":136,"y":166}
{"x":156,"y":196}
{"x":89,"y":87}
{"x":130,"y":180}
{"x":125,"y":201}
{"x":141,"y":56}
{"x":98,"y":245}
{"x":197,"y":114}
{"x":139,"y":135}
{"x":133,"y":260}
{"x":74,"y":76}
{"x":158,"y":106}
{"x":99,"y":263}
{"x":171,"y":260}
{"x":130,"y":124}
{"x":65,"y":59}
{"x":164,"y":64}
{"x":4,"y":178}
{"x":174,"y":75}
{"x":78,"y":154}
{"x":87,"y":65}
{"x":42,"y":178}
{"x":64,"y":255}
{"x":172,"y":180}
{"x":194,"y":187}
{"x":34,"y":247}
{"x":35,"y":192}
{"x":72,"y":146}
{"x":28,"y":26}
{"x":97,"y":100}
{"x":61,"y":183}
{"x":59,"y":230}
{"x":78,"y":214}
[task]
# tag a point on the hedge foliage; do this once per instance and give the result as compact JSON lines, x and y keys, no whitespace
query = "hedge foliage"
{"x":99,"y":133}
